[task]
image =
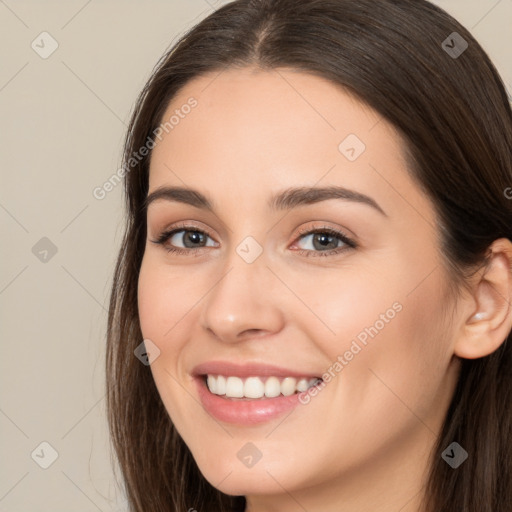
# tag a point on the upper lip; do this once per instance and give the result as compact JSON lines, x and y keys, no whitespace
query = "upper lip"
{"x":248,"y":369}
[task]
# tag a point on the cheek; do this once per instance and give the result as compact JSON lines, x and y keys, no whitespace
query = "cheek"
{"x":163,"y":299}
{"x":392,"y":354}
{"x":346,"y":305}
{"x":167,"y":302}
{"x":388,"y":335}
{"x":163,"y":318}
{"x":151,"y":299}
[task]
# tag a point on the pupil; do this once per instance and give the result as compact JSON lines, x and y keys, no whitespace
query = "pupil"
{"x":323,"y":239}
{"x":194,"y":236}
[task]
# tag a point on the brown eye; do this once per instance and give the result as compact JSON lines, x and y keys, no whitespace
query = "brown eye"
{"x":325,"y":241}
{"x":191,"y":238}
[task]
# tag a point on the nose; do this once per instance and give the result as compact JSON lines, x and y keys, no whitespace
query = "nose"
{"x":243,"y":303}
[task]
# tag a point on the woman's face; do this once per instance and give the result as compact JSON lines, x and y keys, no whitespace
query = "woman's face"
{"x":255,"y":292}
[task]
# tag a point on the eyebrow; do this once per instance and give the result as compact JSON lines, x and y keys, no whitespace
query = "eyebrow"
{"x":285,"y":200}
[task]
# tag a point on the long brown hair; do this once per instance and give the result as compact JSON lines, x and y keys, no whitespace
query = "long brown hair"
{"x":454,"y":115}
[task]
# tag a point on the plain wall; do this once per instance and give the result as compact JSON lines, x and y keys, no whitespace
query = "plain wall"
{"x":63,"y":119}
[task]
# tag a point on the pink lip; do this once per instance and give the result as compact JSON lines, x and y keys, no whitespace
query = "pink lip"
{"x":227,"y":368}
{"x":244,"y":411}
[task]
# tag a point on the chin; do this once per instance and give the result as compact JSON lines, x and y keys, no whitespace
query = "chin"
{"x":234,"y":479}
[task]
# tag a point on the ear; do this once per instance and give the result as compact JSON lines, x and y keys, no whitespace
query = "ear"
{"x":489,"y":322}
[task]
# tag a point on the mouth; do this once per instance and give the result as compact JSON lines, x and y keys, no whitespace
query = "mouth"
{"x":250,"y":393}
{"x":257,"y":387}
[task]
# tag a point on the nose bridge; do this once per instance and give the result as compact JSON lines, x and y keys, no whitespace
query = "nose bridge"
{"x":239,"y":300}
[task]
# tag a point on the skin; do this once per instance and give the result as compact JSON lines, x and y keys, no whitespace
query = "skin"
{"x":363,"y":442}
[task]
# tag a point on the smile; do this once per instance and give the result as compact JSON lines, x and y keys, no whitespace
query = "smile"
{"x":257,"y":387}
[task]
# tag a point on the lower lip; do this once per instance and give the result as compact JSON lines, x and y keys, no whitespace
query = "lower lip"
{"x":244,"y":412}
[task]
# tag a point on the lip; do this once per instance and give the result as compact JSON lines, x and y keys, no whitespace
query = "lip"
{"x":244,"y":411}
{"x":250,"y":369}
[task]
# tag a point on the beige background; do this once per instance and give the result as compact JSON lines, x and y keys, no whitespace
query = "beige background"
{"x":62,"y":123}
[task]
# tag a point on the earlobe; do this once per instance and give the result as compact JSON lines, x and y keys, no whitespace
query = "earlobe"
{"x":489,"y":324}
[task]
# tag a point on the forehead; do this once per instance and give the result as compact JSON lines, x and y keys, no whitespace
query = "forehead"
{"x":268,"y":110}
{"x":252,"y":130}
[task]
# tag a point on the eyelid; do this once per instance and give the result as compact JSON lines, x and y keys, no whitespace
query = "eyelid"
{"x":184,"y":226}
{"x":323,"y":228}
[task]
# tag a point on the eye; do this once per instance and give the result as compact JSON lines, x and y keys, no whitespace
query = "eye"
{"x":325,"y":241}
{"x":191,"y":236}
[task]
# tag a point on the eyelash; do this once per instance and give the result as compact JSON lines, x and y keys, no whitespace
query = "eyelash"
{"x":349,"y":243}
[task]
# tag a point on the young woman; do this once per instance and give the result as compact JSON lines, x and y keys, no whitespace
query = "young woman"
{"x":311,"y":309}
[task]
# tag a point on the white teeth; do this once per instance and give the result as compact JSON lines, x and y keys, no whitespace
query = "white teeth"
{"x":221,"y":385}
{"x":302,"y":385}
{"x":212,"y":384}
{"x":234,"y":387}
{"x":256,"y":387}
{"x":272,"y":387}
{"x":288,"y":386}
